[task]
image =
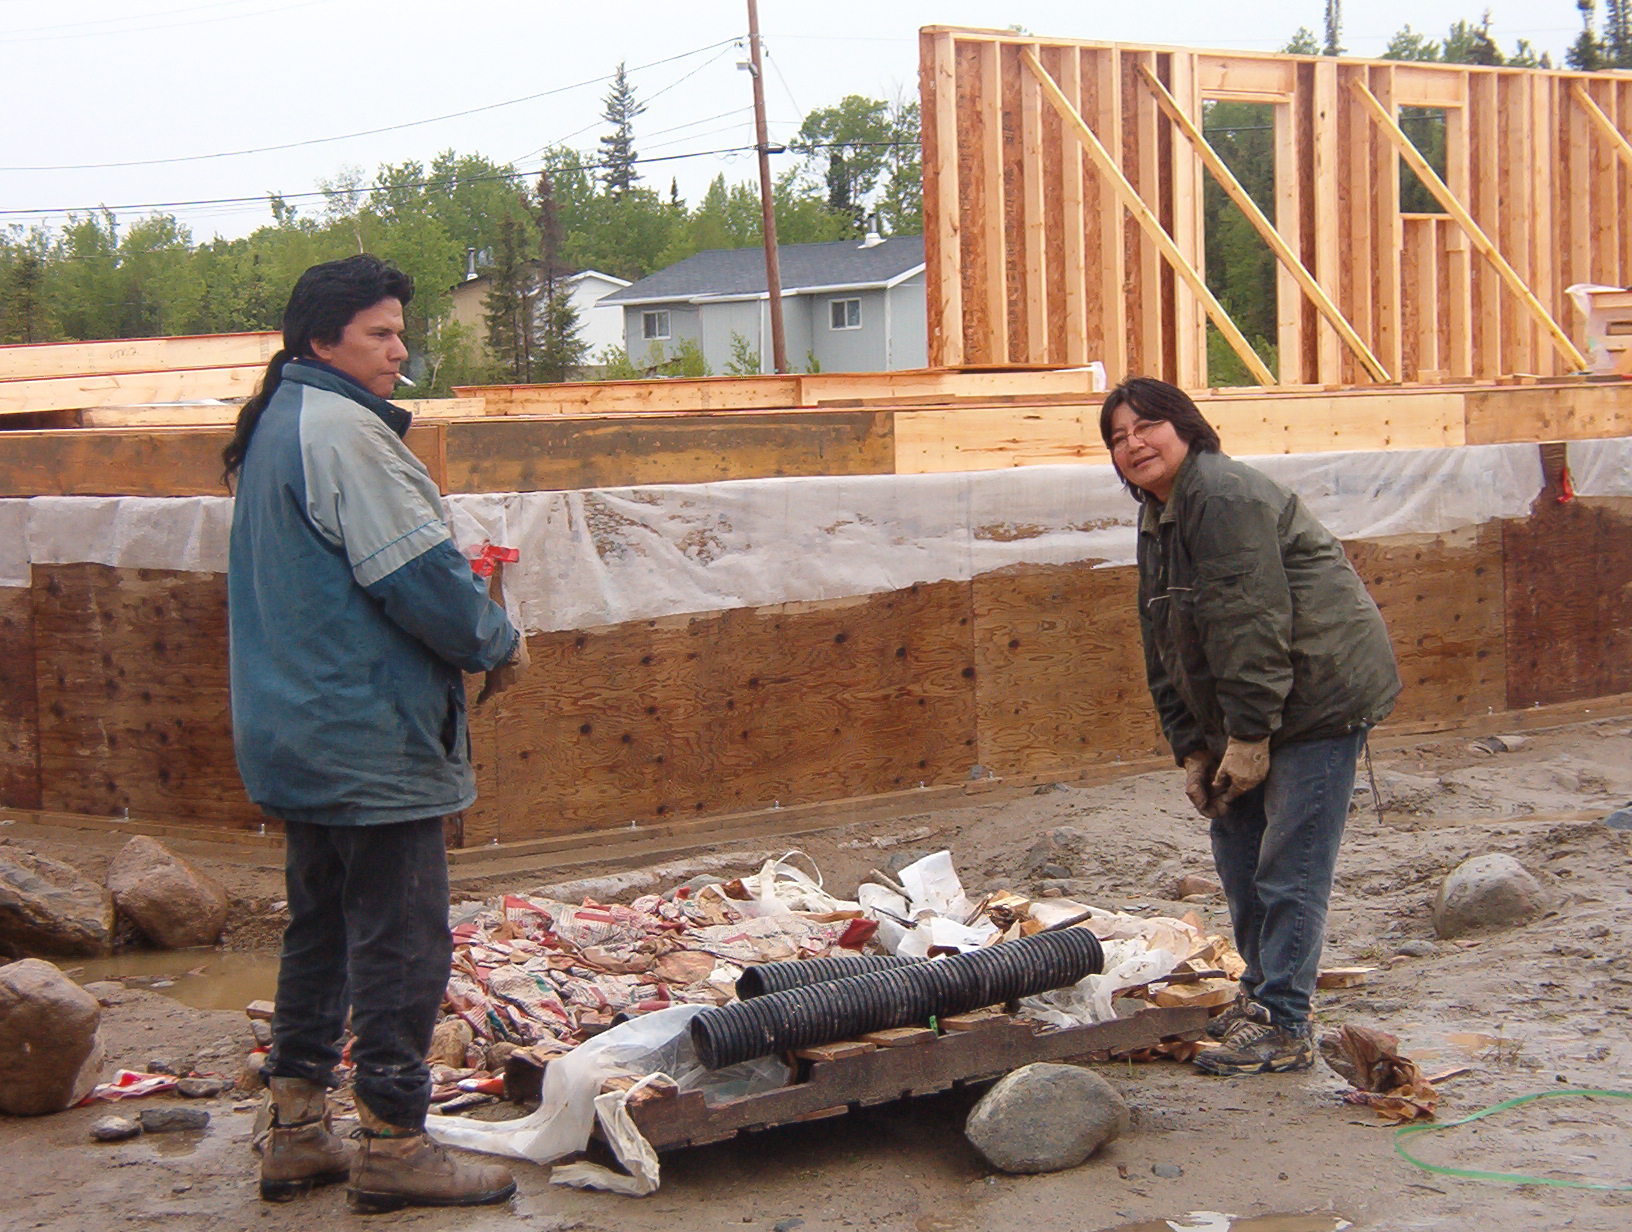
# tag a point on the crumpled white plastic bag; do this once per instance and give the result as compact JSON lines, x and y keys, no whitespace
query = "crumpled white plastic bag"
{"x":627,"y":1143}
{"x":655,"y":1043}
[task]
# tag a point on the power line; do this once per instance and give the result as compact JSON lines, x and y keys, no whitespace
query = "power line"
{"x":373,"y":132}
{"x":579,"y":165}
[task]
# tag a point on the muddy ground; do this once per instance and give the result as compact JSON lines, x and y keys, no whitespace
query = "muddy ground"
{"x":1539,"y":1008}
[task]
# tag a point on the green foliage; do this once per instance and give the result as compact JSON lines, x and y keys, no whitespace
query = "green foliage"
{"x":744,"y":359}
{"x":615,"y":364}
{"x":1408,"y":44}
{"x":1303,"y":43}
{"x":1240,"y":266}
{"x":865,"y":152}
{"x":685,"y":359}
{"x":812,"y":364}
{"x":507,"y":308}
{"x":1333,"y":46}
{"x":618,"y":146}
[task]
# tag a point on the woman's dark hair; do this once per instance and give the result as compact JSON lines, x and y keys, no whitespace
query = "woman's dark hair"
{"x":325,"y":299}
{"x":1149,"y":398}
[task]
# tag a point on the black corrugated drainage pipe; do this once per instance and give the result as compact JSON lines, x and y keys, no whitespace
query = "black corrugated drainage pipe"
{"x":775,"y":977}
{"x":896,"y":996}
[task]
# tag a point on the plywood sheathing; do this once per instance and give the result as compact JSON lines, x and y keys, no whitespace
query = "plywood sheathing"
{"x":133,"y":711}
{"x":1537,"y":174}
{"x":1569,"y":581}
{"x":1018,"y":674}
{"x":19,"y":712}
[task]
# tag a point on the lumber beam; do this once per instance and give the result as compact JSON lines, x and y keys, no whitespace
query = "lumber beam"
{"x":1430,"y":179}
{"x":69,"y":393}
{"x":1604,"y":124}
{"x":1148,"y":221}
{"x":119,"y":355}
{"x":1283,"y":253}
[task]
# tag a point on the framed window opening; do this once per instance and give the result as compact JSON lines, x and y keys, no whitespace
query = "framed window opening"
{"x":654,"y":326}
{"x":844,"y":314}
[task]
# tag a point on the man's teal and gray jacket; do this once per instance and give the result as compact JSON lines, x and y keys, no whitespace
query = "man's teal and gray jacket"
{"x":352,"y":615}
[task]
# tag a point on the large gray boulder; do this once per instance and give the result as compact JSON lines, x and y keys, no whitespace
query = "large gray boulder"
{"x":50,"y":1052}
{"x":174,"y":904}
{"x":47,"y":907}
{"x":1485,"y":892}
{"x":1045,"y":1117}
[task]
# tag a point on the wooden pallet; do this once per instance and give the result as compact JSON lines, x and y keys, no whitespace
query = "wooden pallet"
{"x":878,"y":1068}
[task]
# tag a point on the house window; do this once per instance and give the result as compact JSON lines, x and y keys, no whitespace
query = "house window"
{"x":846,"y":313}
{"x":654,"y":326}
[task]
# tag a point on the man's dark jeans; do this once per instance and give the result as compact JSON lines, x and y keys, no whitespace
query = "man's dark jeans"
{"x":1276,"y":853}
{"x":368,"y":929}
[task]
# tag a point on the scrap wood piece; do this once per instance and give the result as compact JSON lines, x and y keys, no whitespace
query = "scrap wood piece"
{"x":1391,"y":1085}
{"x":1205,"y":992}
{"x":898,"y":1037}
{"x":1343,"y":977}
{"x":838,"y":1050}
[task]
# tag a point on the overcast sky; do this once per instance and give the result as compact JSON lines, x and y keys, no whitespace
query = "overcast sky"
{"x":86,"y":83}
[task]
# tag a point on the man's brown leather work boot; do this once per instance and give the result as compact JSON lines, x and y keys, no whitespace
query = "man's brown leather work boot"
{"x":301,"y":1151}
{"x":397,"y":1167}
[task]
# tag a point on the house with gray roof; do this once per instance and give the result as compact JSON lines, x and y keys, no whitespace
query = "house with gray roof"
{"x":849,"y":306}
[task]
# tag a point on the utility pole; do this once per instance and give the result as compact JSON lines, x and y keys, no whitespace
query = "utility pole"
{"x":767,"y":200}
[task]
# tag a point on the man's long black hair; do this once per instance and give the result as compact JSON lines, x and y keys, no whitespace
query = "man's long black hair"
{"x":325,"y":299}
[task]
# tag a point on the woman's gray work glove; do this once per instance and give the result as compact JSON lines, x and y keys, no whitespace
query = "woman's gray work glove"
{"x":1245,"y":764}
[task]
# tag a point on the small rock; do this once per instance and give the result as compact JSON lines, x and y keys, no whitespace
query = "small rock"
{"x":1056,"y":871}
{"x":181,"y":1187}
{"x":114,"y":1129}
{"x":1167,"y":1171}
{"x":788,"y":1225}
{"x":1045,"y":1117}
{"x":202,"y":1088}
{"x":50,"y":1051}
{"x":1620,"y":819}
{"x":251,"y":1078}
{"x":174,"y":904}
{"x":1192,"y":883}
{"x":172,"y":1119}
{"x":1489,"y":891}
{"x":1417,"y":949}
{"x":449,"y":1043}
{"x":47,"y":907}
{"x":262,"y":1031}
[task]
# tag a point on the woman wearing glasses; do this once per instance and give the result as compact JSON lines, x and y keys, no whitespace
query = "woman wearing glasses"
{"x":1268,"y":662}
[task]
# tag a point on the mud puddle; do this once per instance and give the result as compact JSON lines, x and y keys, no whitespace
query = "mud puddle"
{"x":203,"y":979}
{"x":1218,"y":1221}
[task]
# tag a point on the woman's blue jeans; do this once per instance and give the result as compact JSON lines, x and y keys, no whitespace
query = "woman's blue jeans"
{"x":1276,"y":853}
{"x":368,"y":931}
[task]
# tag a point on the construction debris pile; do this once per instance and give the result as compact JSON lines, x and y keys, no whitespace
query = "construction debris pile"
{"x":542,"y":975}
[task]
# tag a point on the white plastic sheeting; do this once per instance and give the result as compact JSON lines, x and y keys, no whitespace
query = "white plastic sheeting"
{"x":1600,"y":468}
{"x":606,"y":556}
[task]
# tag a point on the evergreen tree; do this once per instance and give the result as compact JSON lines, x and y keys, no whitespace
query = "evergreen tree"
{"x":558,"y":350}
{"x":1303,"y":43}
{"x":1334,"y":29}
{"x":1586,"y":54}
{"x":618,"y":146}
{"x":508,"y":305}
{"x":1617,"y":40}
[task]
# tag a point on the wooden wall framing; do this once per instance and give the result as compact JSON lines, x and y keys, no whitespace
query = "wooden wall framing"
{"x":1031,"y":259}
